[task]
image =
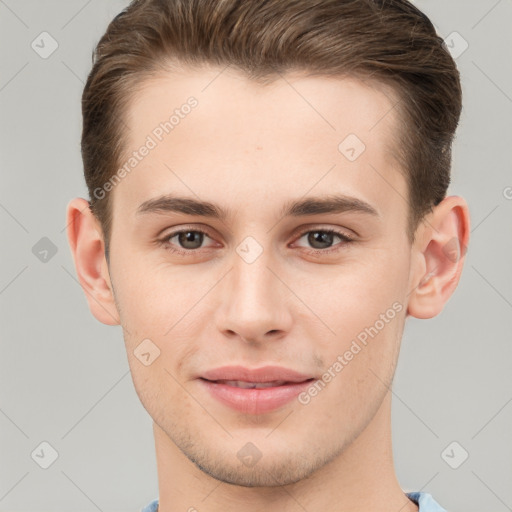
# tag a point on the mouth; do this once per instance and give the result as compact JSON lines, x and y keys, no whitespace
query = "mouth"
{"x":257,"y":385}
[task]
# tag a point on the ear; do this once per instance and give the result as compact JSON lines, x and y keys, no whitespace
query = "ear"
{"x":438,"y":257}
{"x":87,"y":246}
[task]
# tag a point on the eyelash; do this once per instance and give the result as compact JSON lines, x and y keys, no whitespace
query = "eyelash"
{"x":186,"y":252}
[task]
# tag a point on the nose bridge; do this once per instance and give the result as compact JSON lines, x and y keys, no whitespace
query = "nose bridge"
{"x":255,"y":298}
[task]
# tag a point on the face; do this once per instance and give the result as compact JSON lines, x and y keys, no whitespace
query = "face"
{"x":264,"y":283}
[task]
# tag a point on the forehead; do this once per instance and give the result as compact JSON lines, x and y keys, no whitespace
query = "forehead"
{"x":215,"y":134}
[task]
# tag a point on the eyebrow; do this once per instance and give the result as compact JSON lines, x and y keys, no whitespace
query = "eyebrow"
{"x":334,"y":203}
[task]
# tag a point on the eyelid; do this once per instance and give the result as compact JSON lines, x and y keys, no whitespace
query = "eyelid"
{"x":174,"y":230}
{"x":318,"y":227}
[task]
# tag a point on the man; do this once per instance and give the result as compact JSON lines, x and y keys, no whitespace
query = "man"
{"x":267,"y":207}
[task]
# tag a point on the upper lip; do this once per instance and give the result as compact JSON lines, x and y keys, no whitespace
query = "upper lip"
{"x":263,"y":374}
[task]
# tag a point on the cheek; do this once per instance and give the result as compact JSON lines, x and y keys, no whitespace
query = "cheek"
{"x":164,"y":305}
{"x":359,"y":370}
{"x":361,"y":293}
{"x":151,"y":299}
{"x":366,"y":310}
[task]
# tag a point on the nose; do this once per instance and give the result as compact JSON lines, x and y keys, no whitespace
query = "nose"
{"x":255,"y":304}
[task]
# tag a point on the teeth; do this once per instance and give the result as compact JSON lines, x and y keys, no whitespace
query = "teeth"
{"x":252,"y":385}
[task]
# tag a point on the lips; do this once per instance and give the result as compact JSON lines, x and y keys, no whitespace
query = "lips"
{"x":254,"y":391}
{"x":265,"y":374}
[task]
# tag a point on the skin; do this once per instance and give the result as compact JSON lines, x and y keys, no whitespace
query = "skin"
{"x":251,"y":148}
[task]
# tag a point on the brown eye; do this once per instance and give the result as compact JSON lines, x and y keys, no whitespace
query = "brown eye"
{"x":190,"y":239}
{"x":184,"y":241}
{"x":321,"y":240}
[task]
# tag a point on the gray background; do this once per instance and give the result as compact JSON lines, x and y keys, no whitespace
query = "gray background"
{"x":65,"y":377}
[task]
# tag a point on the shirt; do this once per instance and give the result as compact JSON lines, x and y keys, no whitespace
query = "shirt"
{"x":424,"y":500}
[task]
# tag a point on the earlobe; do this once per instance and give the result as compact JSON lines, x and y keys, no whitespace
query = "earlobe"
{"x":439,"y":258}
{"x":87,"y":248}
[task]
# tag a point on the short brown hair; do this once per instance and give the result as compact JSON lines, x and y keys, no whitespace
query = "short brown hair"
{"x":389,"y":42}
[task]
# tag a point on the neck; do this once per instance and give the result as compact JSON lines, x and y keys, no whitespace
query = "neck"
{"x":359,"y":479}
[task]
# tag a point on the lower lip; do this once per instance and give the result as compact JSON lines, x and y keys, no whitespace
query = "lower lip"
{"x":255,"y":401}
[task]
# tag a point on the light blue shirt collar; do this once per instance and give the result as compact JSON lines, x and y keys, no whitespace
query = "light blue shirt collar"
{"x":424,"y":501}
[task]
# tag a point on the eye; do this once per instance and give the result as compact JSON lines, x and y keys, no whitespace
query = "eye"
{"x":321,"y":240}
{"x":187,"y":241}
